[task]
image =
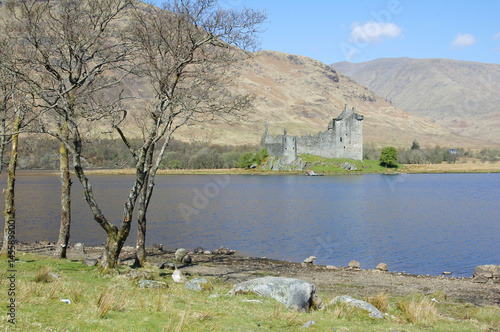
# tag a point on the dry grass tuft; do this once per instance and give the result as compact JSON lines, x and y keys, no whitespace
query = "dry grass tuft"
{"x":341,"y":310}
{"x":379,"y":301}
{"x":203,"y":315}
{"x":163,"y":303}
{"x":182,"y":322}
{"x":43,"y":274}
{"x":109,"y":300}
{"x":419,"y":310}
{"x":75,"y":293}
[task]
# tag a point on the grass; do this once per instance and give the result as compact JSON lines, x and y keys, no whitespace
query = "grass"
{"x":322,"y":165}
{"x":101,"y":302}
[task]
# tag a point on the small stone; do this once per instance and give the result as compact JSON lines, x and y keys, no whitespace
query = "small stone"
{"x":308,"y":324}
{"x":128,"y":262}
{"x":317,"y":303}
{"x":446,"y":273}
{"x":382,"y":267}
{"x":90,"y":262}
{"x":168,"y":266}
{"x":199,"y":251}
{"x":138,"y":274}
{"x":330,"y":267}
{"x":145,"y":283}
{"x":207,"y":252}
{"x":223,"y":251}
{"x":179,"y":254}
{"x":310,"y":260}
{"x":178,"y":277}
{"x":187,"y":259}
{"x":79,"y":248}
{"x":158,"y":247}
{"x":54,"y":275}
{"x":480,"y":279}
{"x":199,"y":284}
{"x":353,"y":264}
{"x":496,"y":272}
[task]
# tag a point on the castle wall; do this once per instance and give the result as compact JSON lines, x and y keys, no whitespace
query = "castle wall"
{"x":342,"y":139}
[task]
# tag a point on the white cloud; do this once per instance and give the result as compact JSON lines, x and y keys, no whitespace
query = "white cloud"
{"x":373,"y":32}
{"x":497,"y":36}
{"x":352,"y":55}
{"x":463,"y":40}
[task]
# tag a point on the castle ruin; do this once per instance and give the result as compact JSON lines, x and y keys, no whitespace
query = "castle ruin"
{"x":342,"y":140}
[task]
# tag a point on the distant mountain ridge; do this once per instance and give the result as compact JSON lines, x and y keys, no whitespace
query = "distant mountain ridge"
{"x":302,"y":95}
{"x":461,"y":96}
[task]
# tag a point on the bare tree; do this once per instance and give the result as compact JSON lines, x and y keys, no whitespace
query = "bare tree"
{"x":75,"y":57}
{"x":15,"y":112}
{"x":6,"y":88}
{"x":187,"y":50}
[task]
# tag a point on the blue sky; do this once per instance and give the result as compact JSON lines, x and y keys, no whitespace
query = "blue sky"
{"x":361,"y":30}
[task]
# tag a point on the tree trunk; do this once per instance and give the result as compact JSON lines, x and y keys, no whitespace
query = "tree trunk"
{"x":140,"y":248}
{"x":10,"y":209}
{"x":62,"y":243}
{"x":144,"y":198}
{"x":112,"y":249}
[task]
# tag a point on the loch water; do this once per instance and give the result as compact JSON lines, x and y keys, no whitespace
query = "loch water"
{"x":417,"y":223}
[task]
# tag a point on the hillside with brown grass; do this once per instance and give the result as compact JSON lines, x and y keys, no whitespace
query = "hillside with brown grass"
{"x":303,"y":95}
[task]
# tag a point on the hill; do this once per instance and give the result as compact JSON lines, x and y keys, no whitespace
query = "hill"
{"x":302,"y":95}
{"x":461,"y":96}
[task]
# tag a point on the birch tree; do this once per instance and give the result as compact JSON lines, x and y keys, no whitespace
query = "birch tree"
{"x":15,"y":113}
{"x":76,"y":56}
{"x":187,"y":49}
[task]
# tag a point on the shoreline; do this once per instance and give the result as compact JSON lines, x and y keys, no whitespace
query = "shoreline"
{"x":236,"y":268}
{"x":460,"y":168}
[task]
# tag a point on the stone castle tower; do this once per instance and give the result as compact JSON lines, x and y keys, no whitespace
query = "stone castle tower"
{"x":343,"y":139}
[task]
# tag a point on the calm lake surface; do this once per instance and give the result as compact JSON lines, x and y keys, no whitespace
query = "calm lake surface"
{"x":421,"y":224}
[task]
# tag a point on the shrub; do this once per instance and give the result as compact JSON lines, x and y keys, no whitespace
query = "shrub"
{"x":389,"y":157}
{"x":246,"y":160}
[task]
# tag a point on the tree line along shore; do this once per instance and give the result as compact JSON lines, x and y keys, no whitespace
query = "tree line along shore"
{"x":112,"y":156}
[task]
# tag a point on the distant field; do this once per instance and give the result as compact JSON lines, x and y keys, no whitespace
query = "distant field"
{"x":453,"y":168}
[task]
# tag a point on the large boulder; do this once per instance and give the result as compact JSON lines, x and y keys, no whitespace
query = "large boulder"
{"x":295,"y":294}
{"x":483,"y":273}
{"x":373,"y":312}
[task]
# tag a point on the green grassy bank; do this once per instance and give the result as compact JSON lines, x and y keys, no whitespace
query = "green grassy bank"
{"x":102,"y":302}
